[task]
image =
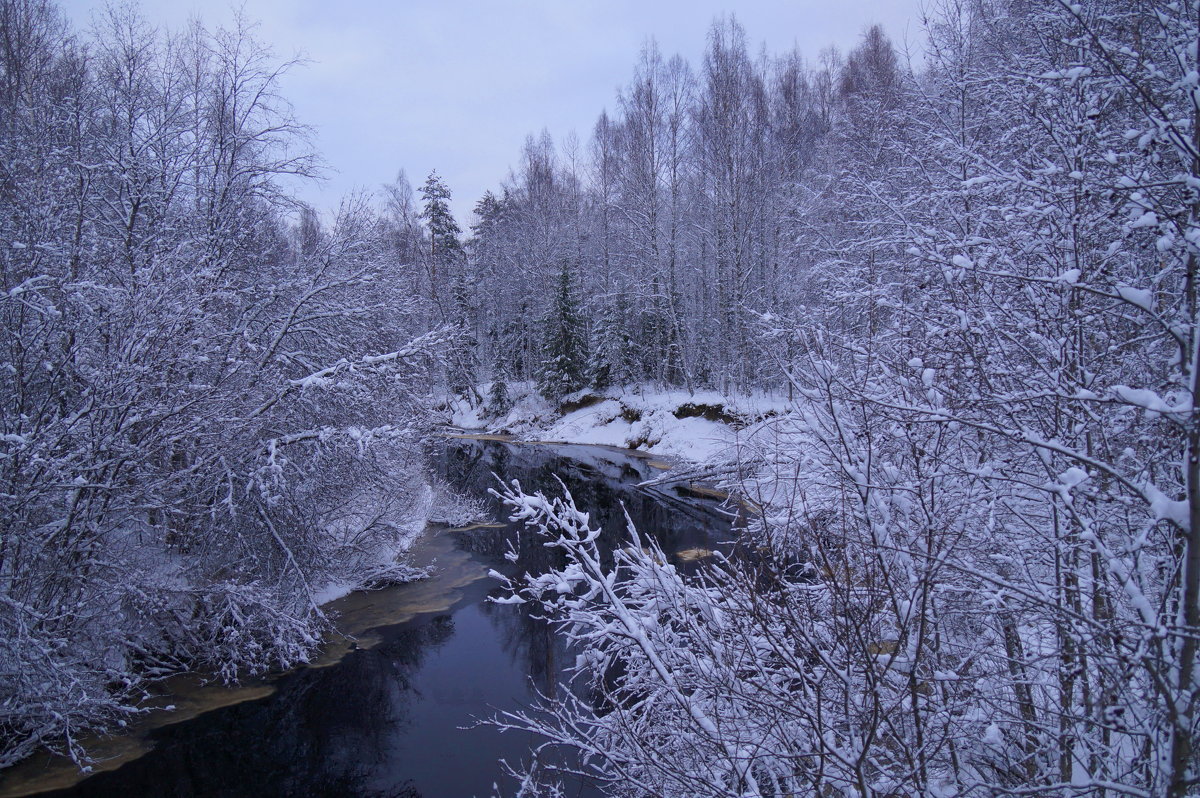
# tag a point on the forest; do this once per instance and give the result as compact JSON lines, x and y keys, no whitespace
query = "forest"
{"x":973,"y":273}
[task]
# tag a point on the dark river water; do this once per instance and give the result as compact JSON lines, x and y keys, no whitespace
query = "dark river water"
{"x":392,"y":707}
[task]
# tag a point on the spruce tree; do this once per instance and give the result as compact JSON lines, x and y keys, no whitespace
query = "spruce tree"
{"x":445,"y":248}
{"x":564,"y":349}
{"x":611,"y":360}
{"x":447,"y":268}
{"x":464,"y":357}
{"x":499,"y":402}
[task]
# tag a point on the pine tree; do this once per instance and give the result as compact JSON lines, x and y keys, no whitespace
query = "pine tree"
{"x":657,"y":333}
{"x":464,"y":357}
{"x":445,"y":250}
{"x":447,"y":261}
{"x":444,"y":232}
{"x":611,"y":361}
{"x":564,"y":350}
{"x":499,"y":402}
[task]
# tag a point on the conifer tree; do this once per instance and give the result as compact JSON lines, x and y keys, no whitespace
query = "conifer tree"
{"x":655,"y":328}
{"x":465,"y":359}
{"x":564,"y":349}
{"x":445,"y":248}
{"x":611,"y":359}
{"x":447,"y":262}
{"x":499,"y":402}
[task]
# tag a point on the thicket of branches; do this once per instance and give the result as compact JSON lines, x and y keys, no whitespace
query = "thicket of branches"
{"x":212,"y":404}
{"x":977,"y":570}
{"x":979,"y":554}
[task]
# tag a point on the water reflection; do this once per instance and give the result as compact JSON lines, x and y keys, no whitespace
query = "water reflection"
{"x":602,"y":481}
{"x":392,"y":709}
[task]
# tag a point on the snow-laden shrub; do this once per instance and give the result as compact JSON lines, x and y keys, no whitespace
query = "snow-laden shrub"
{"x":455,"y":508}
{"x":212,"y":406}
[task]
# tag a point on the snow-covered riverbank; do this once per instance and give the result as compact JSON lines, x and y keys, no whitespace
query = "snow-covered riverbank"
{"x":699,"y":427}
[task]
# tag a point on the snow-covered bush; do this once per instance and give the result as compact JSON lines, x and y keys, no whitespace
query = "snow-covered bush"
{"x":749,"y":680}
{"x":977,"y":570}
{"x":209,"y":413}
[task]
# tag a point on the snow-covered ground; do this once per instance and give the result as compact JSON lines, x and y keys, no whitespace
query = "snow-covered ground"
{"x":698,"y":427}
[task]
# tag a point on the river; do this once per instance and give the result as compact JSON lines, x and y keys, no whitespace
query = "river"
{"x":391,"y":708}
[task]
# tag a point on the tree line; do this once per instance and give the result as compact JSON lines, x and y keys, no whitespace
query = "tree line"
{"x":674,"y":220}
{"x":212,"y":402}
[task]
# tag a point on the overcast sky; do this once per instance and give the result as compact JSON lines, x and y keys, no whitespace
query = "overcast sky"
{"x":455,"y":85}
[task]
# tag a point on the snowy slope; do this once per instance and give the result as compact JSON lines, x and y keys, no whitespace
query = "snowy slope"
{"x":698,"y":427}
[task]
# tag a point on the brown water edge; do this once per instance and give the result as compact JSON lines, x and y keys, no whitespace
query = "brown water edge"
{"x":358,"y":614}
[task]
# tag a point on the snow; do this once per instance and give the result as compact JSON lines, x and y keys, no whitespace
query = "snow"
{"x":1073,"y":476}
{"x":332,"y":592}
{"x":1152,"y":403}
{"x":657,"y":430}
{"x":632,"y":418}
{"x":1147,"y":219}
{"x":1136,"y":296}
{"x":1165,"y":508}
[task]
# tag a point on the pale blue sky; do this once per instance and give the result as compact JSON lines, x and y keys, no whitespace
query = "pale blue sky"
{"x":456,"y":85}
